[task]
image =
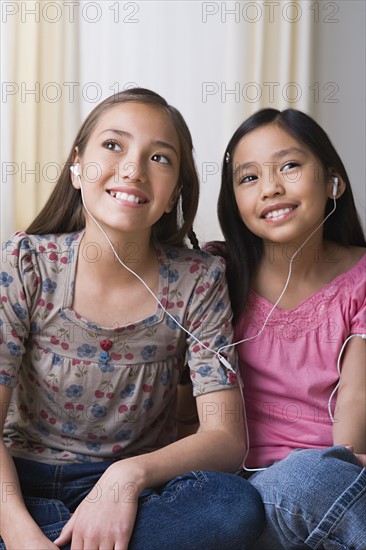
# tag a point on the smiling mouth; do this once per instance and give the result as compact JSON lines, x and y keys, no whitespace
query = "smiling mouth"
{"x":127,"y":197}
{"x":275,"y":214}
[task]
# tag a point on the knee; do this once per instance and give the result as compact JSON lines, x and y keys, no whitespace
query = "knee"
{"x":307,"y":473}
{"x":240,"y":514}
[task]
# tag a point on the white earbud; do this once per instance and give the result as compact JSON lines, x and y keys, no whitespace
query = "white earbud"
{"x":75,"y":169}
{"x":335,"y":186}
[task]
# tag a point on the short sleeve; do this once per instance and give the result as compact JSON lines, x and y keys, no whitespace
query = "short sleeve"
{"x":209,"y":321}
{"x":358,"y":304}
{"x":19,"y":283}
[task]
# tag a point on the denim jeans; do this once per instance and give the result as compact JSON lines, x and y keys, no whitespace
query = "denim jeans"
{"x":313,"y":499}
{"x":199,"y":510}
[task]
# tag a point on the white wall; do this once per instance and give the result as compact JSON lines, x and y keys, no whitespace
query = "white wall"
{"x":193,"y":54}
{"x":340,"y":51}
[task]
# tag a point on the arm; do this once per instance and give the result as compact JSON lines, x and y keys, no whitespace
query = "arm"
{"x":218,"y":445}
{"x":23,"y":533}
{"x":186,"y":415}
{"x":350,"y":412}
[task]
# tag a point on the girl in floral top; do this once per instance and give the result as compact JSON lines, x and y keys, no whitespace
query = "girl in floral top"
{"x":91,"y":360}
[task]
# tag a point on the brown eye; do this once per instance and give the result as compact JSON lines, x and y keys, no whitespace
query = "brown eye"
{"x":162,"y":159}
{"x":112,"y":146}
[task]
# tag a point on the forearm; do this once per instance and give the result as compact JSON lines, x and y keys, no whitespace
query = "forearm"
{"x":350,"y":424}
{"x":214,"y":450}
{"x":12,"y":504}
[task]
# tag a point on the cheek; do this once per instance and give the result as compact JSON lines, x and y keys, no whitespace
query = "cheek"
{"x":244,"y":203}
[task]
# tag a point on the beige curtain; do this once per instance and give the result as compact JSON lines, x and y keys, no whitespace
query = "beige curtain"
{"x":42,"y":100}
{"x":270,"y":57}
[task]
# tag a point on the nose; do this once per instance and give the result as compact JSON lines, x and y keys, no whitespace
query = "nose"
{"x":132,"y":167}
{"x":271,"y":182}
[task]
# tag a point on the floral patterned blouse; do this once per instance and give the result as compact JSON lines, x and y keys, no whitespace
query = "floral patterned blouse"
{"x":83,"y":392}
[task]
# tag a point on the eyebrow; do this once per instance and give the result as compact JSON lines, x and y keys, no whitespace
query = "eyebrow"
{"x":156,"y":142}
{"x":277,"y":155}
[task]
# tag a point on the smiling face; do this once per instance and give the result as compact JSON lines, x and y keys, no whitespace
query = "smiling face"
{"x":279,"y":185}
{"x":130,"y":168}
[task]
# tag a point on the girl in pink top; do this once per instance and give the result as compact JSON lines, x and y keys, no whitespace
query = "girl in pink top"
{"x":296,"y":261}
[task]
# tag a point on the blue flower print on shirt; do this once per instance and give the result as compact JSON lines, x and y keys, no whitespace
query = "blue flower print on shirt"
{"x":70,"y":239}
{"x":5,"y":279}
{"x":128,"y":391}
{"x":223,"y":375}
{"x":19,"y":311}
{"x":148,"y":403}
{"x":165,"y":377}
{"x":171,"y":274}
{"x":75,"y":390}
{"x":172,"y":253}
{"x":205,"y":370}
{"x":93,"y":326}
{"x":41,"y":238}
{"x":218,"y":306}
{"x":171,"y":324}
{"x":216,"y":273}
{"x":56,"y":360}
{"x":98,"y":411}
{"x":220,"y":341}
{"x":42,"y":429}
{"x":24,"y":245}
{"x":6,"y":244}
{"x":49,"y":286}
{"x":86,"y":350}
{"x":14,"y":349}
{"x":35,"y":328}
{"x":150,"y":320}
{"x":81,"y":458}
{"x":148,"y":352}
{"x":123,"y":435}
{"x":68,"y":428}
{"x":106,"y":367}
{"x":93,"y":446}
{"x":5,"y":380}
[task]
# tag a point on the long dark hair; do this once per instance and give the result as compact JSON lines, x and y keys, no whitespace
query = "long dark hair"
{"x":63,"y":212}
{"x":242,"y":249}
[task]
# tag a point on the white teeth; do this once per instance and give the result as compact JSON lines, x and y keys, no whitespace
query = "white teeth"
{"x":278,"y":213}
{"x":126,"y":197}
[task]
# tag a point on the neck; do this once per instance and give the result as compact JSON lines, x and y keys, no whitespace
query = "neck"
{"x":304,"y":258}
{"x":135,"y":251}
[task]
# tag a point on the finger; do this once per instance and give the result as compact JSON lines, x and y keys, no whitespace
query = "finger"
{"x":66,"y":533}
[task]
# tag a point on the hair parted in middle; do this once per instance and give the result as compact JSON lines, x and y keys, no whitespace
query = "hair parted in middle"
{"x":243,"y":249}
{"x":63,"y":212}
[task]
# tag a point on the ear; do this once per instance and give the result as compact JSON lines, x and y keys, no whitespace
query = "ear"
{"x":173,"y":199}
{"x":335,"y":185}
{"x":74,"y":179}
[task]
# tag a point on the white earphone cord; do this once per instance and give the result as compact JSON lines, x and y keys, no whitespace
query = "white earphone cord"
{"x":222,"y":359}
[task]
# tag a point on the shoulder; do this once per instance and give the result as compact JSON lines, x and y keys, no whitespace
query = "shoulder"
{"x":29,"y":252}
{"x":195,"y":260}
{"x":40,"y":243}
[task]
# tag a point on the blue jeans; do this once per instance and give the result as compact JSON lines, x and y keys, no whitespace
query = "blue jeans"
{"x":314,"y":499}
{"x":198,"y":510}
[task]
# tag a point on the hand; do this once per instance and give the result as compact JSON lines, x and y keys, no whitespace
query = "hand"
{"x":105,"y":518}
{"x":360,"y":457}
